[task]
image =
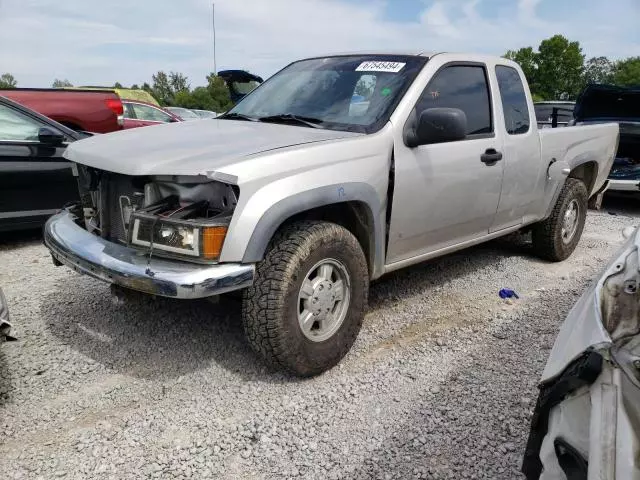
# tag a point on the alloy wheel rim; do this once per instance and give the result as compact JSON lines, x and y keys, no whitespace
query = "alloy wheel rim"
{"x":323,"y":300}
{"x":570,"y":221}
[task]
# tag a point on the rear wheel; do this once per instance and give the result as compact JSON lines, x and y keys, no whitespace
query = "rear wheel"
{"x":556,"y":237}
{"x":307,"y":303}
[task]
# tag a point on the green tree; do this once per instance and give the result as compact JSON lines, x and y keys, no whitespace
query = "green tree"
{"x":219,"y":93}
{"x":178,"y":82}
{"x":57,"y":83}
{"x":161,"y":89}
{"x":199,"y":98}
{"x":627,"y":72}
{"x":117,"y":85}
{"x":8,"y":81}
{"x":598,"y":70}
{"x":147,"y":88}
{"x":135,"y":87}
{"x":560,"y":68}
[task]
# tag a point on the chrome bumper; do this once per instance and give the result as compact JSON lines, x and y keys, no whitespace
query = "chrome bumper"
{"x":624,"y":185}
{"x":113,"y":263}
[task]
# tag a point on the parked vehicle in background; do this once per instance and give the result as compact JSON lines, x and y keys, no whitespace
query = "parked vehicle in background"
{"x":35,"y":180}
{"x":299,"y":201}
{"x":125,"y":93}
{"x":240,"y":83}
{"x":5,"y":325}
{"x":97,"y":111}
{"x":184,"y":113}
{"x":141,"y":114}
{"x":609,"y":103}
{"x":206,"y":113}
{"x":586,"y":423}
{"x":545,"y":113}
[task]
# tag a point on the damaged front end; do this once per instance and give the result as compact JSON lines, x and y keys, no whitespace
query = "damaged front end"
{"x":170,"y":216}
{"x":586,"y":424}
{"x":157,"y":234}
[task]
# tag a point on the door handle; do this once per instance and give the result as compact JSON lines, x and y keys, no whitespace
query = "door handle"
{"x":490,"y":156}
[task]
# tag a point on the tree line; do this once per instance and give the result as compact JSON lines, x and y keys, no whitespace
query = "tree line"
{"x":556,"y":70}
{"x":559,"y":70}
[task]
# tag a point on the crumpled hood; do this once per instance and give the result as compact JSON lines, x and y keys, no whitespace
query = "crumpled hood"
{"x":190,"y":148}
{"x":585,"y":325}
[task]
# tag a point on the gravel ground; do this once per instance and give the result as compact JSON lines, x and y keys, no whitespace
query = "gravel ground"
{"x":440,"y":384}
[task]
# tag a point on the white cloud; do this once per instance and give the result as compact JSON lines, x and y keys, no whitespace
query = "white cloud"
{"x":90,"y":42}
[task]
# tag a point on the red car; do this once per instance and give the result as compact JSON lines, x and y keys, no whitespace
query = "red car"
{"x":97,"y":111}
{"x":142,"y":114}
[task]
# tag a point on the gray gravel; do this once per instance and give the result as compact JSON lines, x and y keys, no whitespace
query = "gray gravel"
{"x":440,"y":384}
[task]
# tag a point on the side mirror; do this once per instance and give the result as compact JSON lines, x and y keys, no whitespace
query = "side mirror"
{"x":49,"y":136}
{"x":437,"y":125}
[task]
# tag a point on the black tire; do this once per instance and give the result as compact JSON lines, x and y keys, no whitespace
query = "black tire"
{"x":271,"y":305}
{"x":547,"y":235}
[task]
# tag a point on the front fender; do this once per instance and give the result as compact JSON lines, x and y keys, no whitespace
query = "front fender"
{"x":326,"y":195}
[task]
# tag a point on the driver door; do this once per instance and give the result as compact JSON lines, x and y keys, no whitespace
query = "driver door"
{"x":447,"y":194}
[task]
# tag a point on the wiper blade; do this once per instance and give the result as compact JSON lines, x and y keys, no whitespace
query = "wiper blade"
{"x":289,"y":118}
{"x":239,"y":116}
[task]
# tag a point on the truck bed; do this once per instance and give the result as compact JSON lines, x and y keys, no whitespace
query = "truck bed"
{"x":97,"y":111}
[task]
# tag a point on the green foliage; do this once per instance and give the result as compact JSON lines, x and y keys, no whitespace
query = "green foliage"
{"x":178,"y":82}
{"x":198,"y":98}
{"x":8,"y":81}
{"x":135,"y":87}
{"x":117,"y":85}
{"x":627,"y":72}
{"x":61,"y":83}
{"x":598,"y":70}
{"x":560,"y":68}
{"x":161,"y":89}
{"x":219,"y":93}
{"x":558,"y":71}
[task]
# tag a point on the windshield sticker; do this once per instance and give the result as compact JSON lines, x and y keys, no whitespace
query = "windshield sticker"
{"x":391,"y":67}
{"x":385,"y":91}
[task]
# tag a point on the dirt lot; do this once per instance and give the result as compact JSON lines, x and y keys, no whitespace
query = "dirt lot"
{"x":440,"y":383}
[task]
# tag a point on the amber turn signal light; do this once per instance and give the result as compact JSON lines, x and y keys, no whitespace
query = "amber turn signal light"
{"x":212,"y":240}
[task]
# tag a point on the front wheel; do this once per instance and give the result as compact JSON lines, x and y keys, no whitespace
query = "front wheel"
{"x":556,"y":237}
{"x":308,"y":300}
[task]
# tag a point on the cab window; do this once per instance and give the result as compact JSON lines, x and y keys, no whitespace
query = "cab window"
{"x":514,"y":100}
{"x":464,"y":87}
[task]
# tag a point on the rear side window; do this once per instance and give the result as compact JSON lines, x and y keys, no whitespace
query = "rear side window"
{"x":464,"y":87}
{"x":514,"y":100}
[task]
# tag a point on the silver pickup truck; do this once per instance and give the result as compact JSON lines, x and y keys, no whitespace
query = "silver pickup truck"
{"x":330,"y":174}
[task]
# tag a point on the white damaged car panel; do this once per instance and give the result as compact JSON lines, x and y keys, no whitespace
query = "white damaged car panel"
{"x":587,"y":419}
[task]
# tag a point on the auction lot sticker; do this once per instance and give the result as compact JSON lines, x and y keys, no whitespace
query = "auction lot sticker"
{"x":373,"y":66}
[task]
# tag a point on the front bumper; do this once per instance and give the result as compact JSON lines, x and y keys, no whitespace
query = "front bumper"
{"x":73,"y":246}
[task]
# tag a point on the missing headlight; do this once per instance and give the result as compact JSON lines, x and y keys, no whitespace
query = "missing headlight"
{"x":175,"y":227}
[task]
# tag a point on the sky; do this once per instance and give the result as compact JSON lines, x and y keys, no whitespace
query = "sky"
{"x":98,"y":42}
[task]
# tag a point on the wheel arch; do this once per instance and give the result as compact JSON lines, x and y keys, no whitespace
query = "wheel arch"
{"x":587,"y":172}
{"x":355,"y":206}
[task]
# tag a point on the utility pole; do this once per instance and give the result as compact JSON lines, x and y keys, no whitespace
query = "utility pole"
{"x":213,"y":18}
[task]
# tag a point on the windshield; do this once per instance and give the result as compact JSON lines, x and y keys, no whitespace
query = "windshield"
{"x":354,"y":93}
